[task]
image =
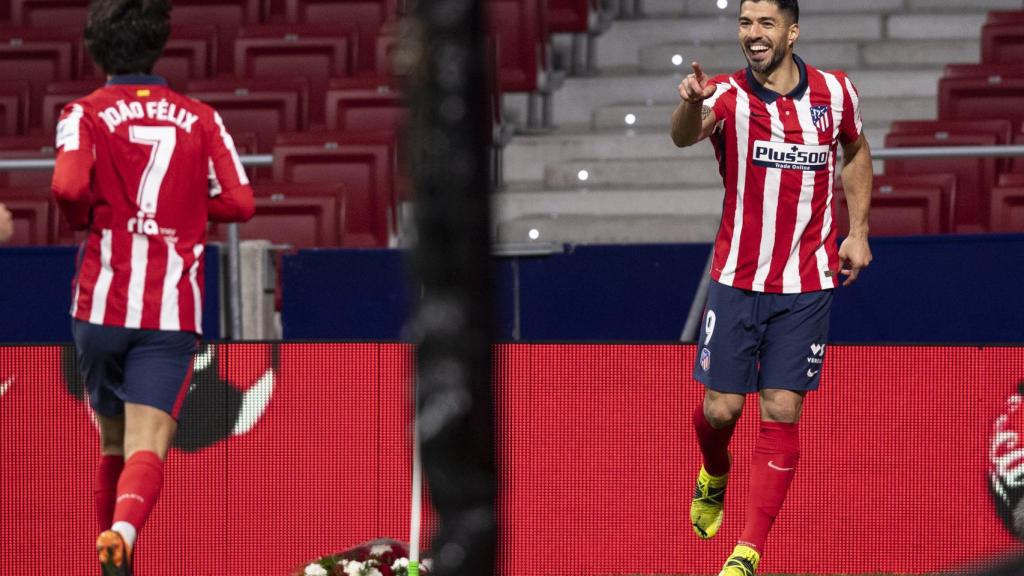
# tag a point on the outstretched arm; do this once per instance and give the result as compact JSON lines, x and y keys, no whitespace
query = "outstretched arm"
{"x":854,"y":252}
{"x":691,"y":120}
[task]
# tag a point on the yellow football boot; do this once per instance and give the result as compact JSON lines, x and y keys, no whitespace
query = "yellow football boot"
{"x":706,"y":509}
{"x":742,"y":562}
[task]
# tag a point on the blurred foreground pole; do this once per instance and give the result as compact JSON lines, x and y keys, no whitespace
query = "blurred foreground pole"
{"x":448,"y":151}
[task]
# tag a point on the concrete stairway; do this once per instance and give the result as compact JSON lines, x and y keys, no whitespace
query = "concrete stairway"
{"x":610,"y":173}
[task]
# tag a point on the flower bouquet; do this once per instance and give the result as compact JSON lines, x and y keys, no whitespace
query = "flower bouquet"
{"x":383,"y":557}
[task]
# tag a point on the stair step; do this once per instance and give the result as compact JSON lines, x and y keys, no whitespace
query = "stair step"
{"x":579,"y":98}
{"x":666,"y":171}
{"x":656,"y":116}
{"x":622,"y":43}
{"x":727,"y":58}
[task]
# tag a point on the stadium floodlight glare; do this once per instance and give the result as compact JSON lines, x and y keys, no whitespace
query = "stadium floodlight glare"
{"x":630,"y":119}
{"x":723,"y":4}
{"x":533,"y":234}
{"x":583,"y":175}
{"x":677,"y":59}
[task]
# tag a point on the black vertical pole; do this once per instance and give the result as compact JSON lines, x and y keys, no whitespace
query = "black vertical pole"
{"x":449,"y":157}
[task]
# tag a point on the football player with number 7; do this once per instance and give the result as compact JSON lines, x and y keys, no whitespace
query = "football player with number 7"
{"x":142,"y":168}
{"x":776,"y":127}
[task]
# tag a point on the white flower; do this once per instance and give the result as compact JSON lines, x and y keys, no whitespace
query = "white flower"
{"x":373,"y":572}
{"x":400,"y":563}
{"x":315,"y":569}
{"x":354,"y":568}
{"x":427,"y":564}
{"x":380,"y":550}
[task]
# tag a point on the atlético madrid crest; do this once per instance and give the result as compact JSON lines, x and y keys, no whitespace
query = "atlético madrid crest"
{"x":705,"y":359}
{"x":821,"y":118}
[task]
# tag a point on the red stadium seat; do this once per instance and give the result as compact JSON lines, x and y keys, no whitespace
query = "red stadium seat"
{"x":227,"y":15}
{"x":369,"y":15}
{"x":911,"y":212}
{"x":1017,"y":163}
{"x":1004,"y":16}
{"x":27,"y":147}
{"x":364,"y":163}
{"x":261,"y":106}
{"x":885,"y":185}
{"x":975,"y":176}
{"x":385,"y":49}
{"x":1001,"y":129}
{"x":994,"y":71}
{"x":34,"y":214}
{"x":191,"y":54}
{"x":37,"y":57}
{"x":364,"y":104}
{"x":1002,"y":43}
{"x":14,"y":104}
{"x":318,"y":53}
{"x":58,"y":94}
{"x":978,"y":98}
{"x":1012,"y":179}
{"x":1007,"y":209}
{"x":292,"y":216}
{"x":67,"y":14}
{"x":571,"y":16}
{"x":522,"y":43}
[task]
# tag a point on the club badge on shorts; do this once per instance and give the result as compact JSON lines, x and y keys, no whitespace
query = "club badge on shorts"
{"x":705,"y":359}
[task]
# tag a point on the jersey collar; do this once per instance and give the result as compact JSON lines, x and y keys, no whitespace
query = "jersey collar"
{"x":137,"y":80}
{"x":770,"y":96}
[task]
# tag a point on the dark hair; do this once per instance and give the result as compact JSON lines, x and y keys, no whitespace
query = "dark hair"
{"x":127,"y":36}
{"x":790,"y":7}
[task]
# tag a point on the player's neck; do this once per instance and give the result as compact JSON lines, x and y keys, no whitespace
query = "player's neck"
{"x":783,"y":79}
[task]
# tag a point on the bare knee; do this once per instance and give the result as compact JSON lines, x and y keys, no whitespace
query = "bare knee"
{"x":111,"y":435}
{"x":781,"y":406}
{"x":722,"y":410}
{"x":148,"y":429}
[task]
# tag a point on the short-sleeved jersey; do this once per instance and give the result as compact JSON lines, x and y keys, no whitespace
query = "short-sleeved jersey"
{"x":777,"y":157}
{"x":143,"y":168}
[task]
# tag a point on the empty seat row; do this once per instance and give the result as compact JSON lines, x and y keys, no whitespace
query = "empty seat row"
{"x":297,"y":215}
{"x":921,"y":204}
{"x":364,"y":166}
{"x":978,"y":105}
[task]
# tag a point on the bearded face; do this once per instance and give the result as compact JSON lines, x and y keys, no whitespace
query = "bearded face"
{"x":766,"y":36}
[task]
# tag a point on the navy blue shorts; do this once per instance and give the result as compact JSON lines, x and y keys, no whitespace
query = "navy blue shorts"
{"x":750,"y":341}
{"x":150,"y":367}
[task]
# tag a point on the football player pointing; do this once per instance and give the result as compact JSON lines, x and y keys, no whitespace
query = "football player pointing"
{"x":142,"y":168}
{"x":776,"y":128}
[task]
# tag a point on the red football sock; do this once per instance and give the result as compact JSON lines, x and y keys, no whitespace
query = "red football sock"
{"x":714,"y":443}
{"x":773,"y":466}
{"x":107,"y":475}
{"x":138,"y":490}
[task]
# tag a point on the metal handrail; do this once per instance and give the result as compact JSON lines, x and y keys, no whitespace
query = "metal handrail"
{"x":28,"y":164}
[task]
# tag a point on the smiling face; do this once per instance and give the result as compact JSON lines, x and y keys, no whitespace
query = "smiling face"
{"x":766,"y":35}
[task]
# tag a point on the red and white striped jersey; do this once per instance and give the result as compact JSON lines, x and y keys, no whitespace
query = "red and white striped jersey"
{"x":777,"y":157}
{"x":143,"y":168}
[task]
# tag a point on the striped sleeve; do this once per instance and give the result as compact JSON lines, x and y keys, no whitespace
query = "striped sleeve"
{"x":72,"y":174}
{"x":716,"y":102}
{"x":850,"y":126}
{"x":231,"y":197}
